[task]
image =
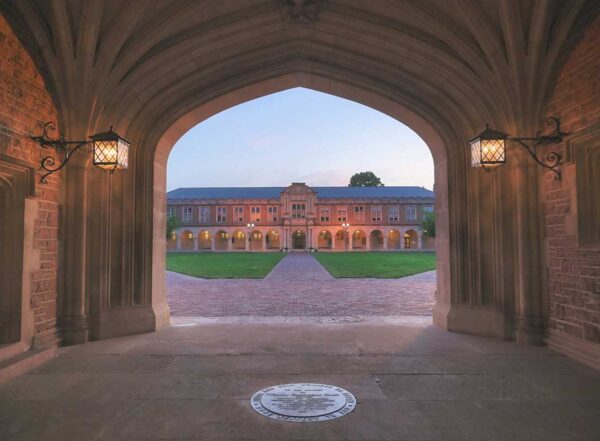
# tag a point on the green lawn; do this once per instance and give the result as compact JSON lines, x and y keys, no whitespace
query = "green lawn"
{"x":382,"y":265}
{"x":223,"y":265}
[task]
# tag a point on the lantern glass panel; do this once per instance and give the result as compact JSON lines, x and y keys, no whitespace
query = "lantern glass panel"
{"x":111,"y":154}
{"x":493,"y":152}
{"x":476,"y":153}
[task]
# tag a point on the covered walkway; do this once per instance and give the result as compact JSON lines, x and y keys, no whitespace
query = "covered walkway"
{"x":412,"y":382}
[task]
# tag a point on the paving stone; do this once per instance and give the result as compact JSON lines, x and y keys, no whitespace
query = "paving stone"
{"x":300,"y":287}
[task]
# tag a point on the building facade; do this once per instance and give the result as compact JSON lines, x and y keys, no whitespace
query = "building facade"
{"x":299,"y":217}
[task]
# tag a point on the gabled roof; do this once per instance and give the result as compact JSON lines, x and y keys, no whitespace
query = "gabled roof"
{"x":275,"y":192}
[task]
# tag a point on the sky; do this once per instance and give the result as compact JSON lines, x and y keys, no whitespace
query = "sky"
{"x":298,"y":135}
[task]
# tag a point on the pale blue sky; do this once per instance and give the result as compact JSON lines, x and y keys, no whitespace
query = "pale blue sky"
{"x":298,"y":135}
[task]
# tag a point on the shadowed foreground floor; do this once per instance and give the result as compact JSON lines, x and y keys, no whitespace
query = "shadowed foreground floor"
{"x":412,"y":382}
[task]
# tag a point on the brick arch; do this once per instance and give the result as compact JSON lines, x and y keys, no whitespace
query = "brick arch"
{"x":222,"y":239}
{"x":204,"y":240}
{"x":325,"y":240}
{"x":376,"y":239}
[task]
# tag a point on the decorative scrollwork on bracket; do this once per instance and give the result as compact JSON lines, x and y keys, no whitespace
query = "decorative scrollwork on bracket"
{"x":60,"y":144}
{"x":552,"y":159}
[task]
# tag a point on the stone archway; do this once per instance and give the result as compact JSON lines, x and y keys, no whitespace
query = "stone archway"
{"x":222,"y":240}
{"x":359,"y":240}
{"x":325,"y":240}
{"x":376,"y":240}
{"x":204,"y":240}
{"x":410,"y":239}
{"x":238,"y":240}
{"x":256,"y":240}
{"x":298,"y":240}
{"x":187,"y":239}
{"x":394,"y":240}
{"x":273,"y":240}
{"x":432,"y":69}
{"x":339,"y":240}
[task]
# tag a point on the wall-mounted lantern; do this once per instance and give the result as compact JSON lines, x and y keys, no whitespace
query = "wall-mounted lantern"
{"x":488,"y":149}
{"x":110,"y":151}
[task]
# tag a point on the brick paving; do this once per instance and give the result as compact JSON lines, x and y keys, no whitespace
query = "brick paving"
{"x":300,"y":287}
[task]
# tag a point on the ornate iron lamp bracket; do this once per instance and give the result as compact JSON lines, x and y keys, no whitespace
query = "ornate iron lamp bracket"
{"x":552,"y":159}
{"x":60,"y":144}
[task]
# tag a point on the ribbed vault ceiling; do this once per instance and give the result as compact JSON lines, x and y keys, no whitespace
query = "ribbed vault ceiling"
{"x":143,"y":64}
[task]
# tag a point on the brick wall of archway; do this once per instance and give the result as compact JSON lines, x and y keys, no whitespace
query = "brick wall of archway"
{"x":31,"y":219}
{"x":571,"y":207}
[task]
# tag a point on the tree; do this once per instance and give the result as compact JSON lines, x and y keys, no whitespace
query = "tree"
{"x":172,"y":224}
{"x":428,"y":224}
{"x":365,"y":179}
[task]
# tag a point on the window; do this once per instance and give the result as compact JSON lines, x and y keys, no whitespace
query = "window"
{"x":221,"y":215}
{"x":170,"y":212}
{"x":254,"y":214}
{"x":299,"y":211}
{"x":238,"y":214}
{"x":359,"y":213}
{"x":204,"y":215}
{"x":394,"y":213}
{"x":324,"y":214}
{"x":411,"y":213}
{"x":272,"y":214}
{"x":376,"y":213}
{"x":427,"y":208}
{"x":187,"y":214}
{"x":341,"y":214}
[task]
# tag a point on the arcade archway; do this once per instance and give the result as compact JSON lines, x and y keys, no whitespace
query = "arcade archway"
{"x":431,"y":68}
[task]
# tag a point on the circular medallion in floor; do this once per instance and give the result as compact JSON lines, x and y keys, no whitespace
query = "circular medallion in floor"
{"x":303,"y":402}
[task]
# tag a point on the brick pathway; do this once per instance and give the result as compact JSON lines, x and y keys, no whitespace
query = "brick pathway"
{"x":300,"y":287}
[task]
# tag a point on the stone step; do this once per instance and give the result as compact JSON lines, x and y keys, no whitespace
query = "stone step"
{"x":23,"y":362}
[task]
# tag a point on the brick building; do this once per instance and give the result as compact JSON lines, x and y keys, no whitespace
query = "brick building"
{"x":299,"y":217}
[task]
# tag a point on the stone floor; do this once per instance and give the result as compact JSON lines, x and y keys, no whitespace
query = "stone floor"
{"x":412,"y":381}
{"x":300,"y":287}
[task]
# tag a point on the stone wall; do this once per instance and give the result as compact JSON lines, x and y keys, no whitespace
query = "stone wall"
{"x":24,"y":105}
{"x":573,"y":255}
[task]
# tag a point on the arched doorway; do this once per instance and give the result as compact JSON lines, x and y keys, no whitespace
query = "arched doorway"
{"x":221,"y":241}
{"x":238,"y":240}
{"x":394,"y":240}
{"x":359,"y":240}
{"x":204,"y":241}
{"x":340,"y":240}
{"x":239,"y":95}
{"x":273,"y":240}
{"x":325,"y":240}
{"x":19,"y":260}
{"x":156,"y":96}
{"x":256,"y":241}
{"x":410,"y":239}
{"x":298,"y":240}
{"x":187,"y":240}
{"x":376,"y":240}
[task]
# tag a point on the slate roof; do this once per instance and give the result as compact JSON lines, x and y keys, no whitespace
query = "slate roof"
{"x":275,"y":192}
